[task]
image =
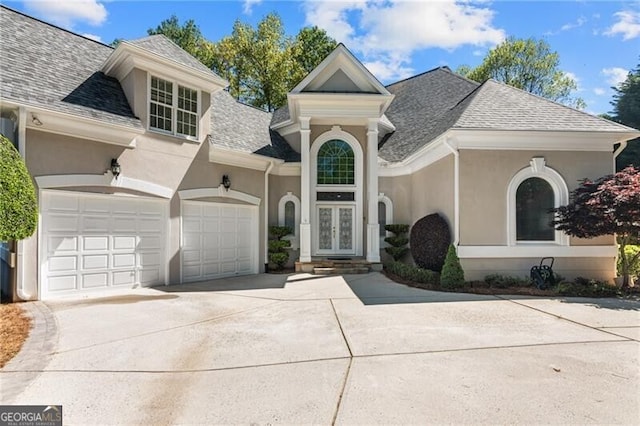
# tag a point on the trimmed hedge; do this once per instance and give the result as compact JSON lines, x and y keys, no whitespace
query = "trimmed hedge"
{"x":398,"y":242}
{"x":278,"y":254}
{"x":18,"y":205}
{"x":452,"y":275}
{"x":430,"y":238}
{"x":413,"y":273}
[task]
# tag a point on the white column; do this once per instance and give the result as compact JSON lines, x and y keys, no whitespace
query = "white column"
{"x":305,"y":190}
{"x":373,"y":228}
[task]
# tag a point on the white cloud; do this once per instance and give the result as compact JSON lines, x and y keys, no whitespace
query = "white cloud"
{"x":248,"y":5}
{"x":599,"y":91}
{"x":628,"y":25}
{"x":92,"y":37}
{"x":615,"y":75}
{"x":67,"y":12}
{"x":578,"y":23}
{"x":387,"y":33}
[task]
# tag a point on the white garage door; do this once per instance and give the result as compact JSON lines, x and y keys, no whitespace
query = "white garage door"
{"x":218,"y":240}
{"x":96,"y":242}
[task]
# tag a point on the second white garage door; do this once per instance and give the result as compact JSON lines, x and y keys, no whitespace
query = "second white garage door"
{"x":218,"y":240}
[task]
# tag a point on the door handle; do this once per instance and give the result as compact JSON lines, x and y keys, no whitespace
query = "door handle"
{"x":334,"y":232}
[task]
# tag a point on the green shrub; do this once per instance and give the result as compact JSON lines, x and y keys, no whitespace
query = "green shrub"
{"x":18,"y":205}
{"x":397,"y":228}
{"x":278,"y":246}
{"x":452,"y":275}
{"x":634,"y":268}
{"x":506,"y":281}
{"x":278,"y":254}
{"x":398,"y":241}
{"x":429,"y":240}
{"x":585,"y":287}
{"x":413,"y":273}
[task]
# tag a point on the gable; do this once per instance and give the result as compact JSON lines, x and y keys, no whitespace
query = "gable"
{"x":339,"y":82}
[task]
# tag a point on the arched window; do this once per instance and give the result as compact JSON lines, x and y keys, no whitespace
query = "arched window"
{"x":289,"y":215}
{"x":335,"y":164}
{"x":534,"y":199}
{"x":385,"y":216}
{"x":532,"y":192}
{"x":382,"y":218}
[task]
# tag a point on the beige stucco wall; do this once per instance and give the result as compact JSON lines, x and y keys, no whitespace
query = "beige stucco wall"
{"x":601,"y":268}
{"x":399,"y":191}
{"x":485,"y":177}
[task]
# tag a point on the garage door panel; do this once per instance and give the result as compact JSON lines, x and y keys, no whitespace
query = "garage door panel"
{"x":63,"y":223}
{"x":100,"y":241}
{"x":95,"y":262}
{"x":92,"y":281}
{"x":124,"y":278}
{"x":63,"y":264}
{"x":63,"y":282}
{"x":127,"y":260}
{"x":95,"y":243}
{"x":62,"y":244}
{"x":226,"y":240}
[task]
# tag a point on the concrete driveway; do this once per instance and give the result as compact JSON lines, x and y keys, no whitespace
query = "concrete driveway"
{"x":303,"y":349}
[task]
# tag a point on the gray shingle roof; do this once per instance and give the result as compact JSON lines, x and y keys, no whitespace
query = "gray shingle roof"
{"x":280,"y":115}
{"x":162,"y":46}
{"x":421,"y":110}
{"x":240,"y":127}
{"x":45,"y":66}
{"x":497,"y":106}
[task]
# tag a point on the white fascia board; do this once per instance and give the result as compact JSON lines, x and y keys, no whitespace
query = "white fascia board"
{"x":287,"y":169}
{"x":85,"y":128}
{"x":426,"y":156}
{"x":534,"y":250}
{"x":332,"y":105}
{"x":538,"y":140}
{"x":241,"y":159}
{"x":128,"y":56}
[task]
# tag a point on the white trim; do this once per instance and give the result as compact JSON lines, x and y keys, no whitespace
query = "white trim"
{"x":538,"y":169}
{"x":175,"y":84}
{"x":537,"y":251}
{"x":220,"y":191}
{"x":295,"y":241}
{"x":336,"y":132}
{"x":456,"y":192}
{"x":107,"y":179}
{"x":388,"y":213}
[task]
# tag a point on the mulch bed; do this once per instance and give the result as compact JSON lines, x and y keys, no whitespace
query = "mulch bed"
{"x":14,"y":329}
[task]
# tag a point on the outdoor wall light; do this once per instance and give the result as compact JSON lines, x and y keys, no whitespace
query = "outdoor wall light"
{"x":35,"y":120}
{"x":115,"y":168}
{"x":226,"y":182}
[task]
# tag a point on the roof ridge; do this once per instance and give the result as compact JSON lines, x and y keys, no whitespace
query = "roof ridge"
{"x":417,"y":75}
{"x":2,"y":6}
{"x":238,"y":101}
{"x":538,"y":97}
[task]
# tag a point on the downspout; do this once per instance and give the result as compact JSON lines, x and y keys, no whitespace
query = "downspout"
{"x":21,"y":288}
{"x":266,"y":215}
{"x":456,"y":192}
{"x":617,"y":152}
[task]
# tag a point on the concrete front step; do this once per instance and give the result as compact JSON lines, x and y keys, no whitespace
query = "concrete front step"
{"x":340,"y":271}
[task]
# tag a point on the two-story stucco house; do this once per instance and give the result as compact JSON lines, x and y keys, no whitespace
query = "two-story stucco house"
{"x":148,"y":172}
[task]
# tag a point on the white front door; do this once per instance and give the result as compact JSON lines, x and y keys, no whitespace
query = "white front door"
{"x":335,"y":229}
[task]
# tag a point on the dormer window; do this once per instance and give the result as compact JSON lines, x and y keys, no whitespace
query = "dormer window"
{"x":173,"y":108}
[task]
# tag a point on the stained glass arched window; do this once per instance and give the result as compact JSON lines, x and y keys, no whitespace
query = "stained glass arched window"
{"x":336,"y":165}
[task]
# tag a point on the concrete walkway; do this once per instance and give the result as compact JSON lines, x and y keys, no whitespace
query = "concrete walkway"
{"x":302,"y":349}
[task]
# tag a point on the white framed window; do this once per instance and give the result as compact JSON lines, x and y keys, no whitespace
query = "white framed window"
{"x":289,"y":215}
{"x":173,"y":108}
{"x":385,"y":216}
{"x":532,"y":192}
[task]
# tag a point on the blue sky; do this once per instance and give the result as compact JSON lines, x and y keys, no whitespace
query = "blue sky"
{"x":598,"y":41}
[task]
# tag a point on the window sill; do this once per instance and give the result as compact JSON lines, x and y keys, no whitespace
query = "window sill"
{"x":535,"y":251}
{"x":173,"y":135}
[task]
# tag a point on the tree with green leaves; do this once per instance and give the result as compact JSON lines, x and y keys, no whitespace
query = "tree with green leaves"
{"x":18,"y":206}
{"x":626,"y":110}
{"x":530,"y":65}
{"x":187,"y":35}
{"x":310,"y":47}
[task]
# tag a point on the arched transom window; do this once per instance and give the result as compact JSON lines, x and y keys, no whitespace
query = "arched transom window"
{"x":336,"y":165}
{"x":534,"y":200}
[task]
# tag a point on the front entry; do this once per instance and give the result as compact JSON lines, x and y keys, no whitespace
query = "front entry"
{"x":335,"y":229}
